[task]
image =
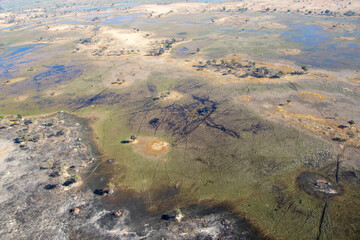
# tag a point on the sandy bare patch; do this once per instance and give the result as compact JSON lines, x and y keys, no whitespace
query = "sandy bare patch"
{"x":289,"y":51}
{"x":15,"y":80}
{"x":113,"y":42}
{"x":150,"y":147}
{"x":273,"y":35}
{"x":231,"y":20}
{"x":312,"y":96}
{"x":21,"y":98}
{"x":346,"y":38}
{"x":129,"y":38}
{"x":53,"y":93}
{"x":170,"y":95}
{"x":244,"y":99}
{"x":157,"y":147}
{"x":275,"y":25}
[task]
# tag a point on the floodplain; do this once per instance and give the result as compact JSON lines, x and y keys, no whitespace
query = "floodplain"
{"x":240,"y":117}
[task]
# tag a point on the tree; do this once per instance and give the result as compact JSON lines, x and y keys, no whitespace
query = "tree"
{"x":305,"y":68}
{"x":351,"y":122}
{"x":19,"y":116}
{"x":349,"y":13}
{"x":23,"y":138}
{"x":197,"y":49}
{"x":2,"y":117}
{"x":133,"y":137}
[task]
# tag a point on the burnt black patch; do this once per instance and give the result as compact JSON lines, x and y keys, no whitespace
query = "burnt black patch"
{"x":318,"y":185}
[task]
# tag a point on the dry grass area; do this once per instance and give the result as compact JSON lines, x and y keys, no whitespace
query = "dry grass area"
{"x":355,"y":79}
{"x":289,"y":51}
{"x":312,"y":96}
{"x":344,"y":134}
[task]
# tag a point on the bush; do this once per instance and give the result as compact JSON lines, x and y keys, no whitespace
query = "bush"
{"x":305,"y":68}
{"x":76,"y":177}
{"x":2,"y":117}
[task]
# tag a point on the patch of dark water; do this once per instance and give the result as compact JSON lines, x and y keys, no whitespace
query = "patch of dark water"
{"x":12,"y":57}
{"x":121,"y":19}
{"x":318,"y":47}
{"x":182,"y":51}
{"x":310,"y":36}
{"x":334,"y":56}
{"x":56,"y":74}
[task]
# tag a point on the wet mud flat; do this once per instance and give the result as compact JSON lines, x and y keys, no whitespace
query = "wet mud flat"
{"x":45,"y":162}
